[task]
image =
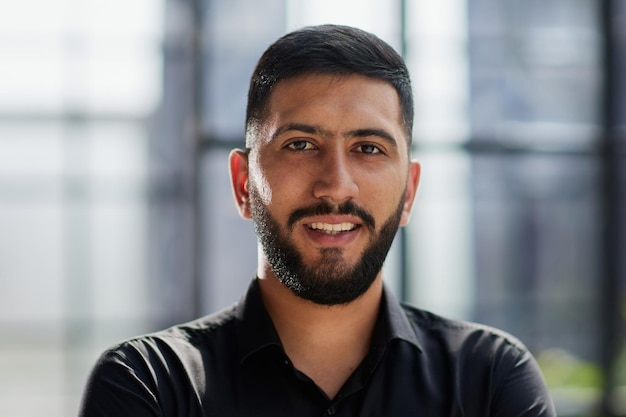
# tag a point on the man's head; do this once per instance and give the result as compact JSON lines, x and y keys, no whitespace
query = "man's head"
{"x":327,"y":177}
{"x":327,"y":49}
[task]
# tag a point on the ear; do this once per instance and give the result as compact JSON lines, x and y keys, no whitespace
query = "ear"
{"x":415,"y":170}
{"x":238,"y":164}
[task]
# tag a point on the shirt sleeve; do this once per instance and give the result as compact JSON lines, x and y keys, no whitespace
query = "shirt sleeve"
{"x":523,"y":392}
{"x":120,"y":385}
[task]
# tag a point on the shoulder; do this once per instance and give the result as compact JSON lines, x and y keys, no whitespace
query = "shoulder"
{"x":461,"y":337}
{"x":167,"y":364}
{"x":187,"y":341}
{"x":485,"y":361}
{"x":164,"y":371}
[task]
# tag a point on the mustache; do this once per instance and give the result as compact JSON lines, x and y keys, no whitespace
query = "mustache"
{"x":325,"y":208}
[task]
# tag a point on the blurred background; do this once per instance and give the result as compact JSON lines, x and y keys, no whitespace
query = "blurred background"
{"x":116,"y":217}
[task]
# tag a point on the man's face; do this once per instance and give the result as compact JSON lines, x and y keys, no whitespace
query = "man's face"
{"x":328,"y":183}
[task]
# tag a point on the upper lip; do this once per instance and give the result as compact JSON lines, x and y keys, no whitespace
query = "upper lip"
{"x":333,"y":219}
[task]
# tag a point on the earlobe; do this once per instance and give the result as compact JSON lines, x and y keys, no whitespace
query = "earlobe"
{"x":412,"y":185}
{"x":238,"y":165}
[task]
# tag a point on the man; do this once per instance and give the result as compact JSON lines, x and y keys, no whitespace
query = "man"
{"x":327,"y":180}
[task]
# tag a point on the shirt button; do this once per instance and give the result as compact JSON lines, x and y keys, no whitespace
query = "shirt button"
{"x":331,"y":411}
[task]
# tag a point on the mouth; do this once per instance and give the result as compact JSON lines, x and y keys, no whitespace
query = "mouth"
{"x":332,"y":228}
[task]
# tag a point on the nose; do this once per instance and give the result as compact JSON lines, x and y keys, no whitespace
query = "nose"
{"x":335,"y":180}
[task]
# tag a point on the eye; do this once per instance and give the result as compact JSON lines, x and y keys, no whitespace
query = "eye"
{"x":300,"y":145}
{"x":369,"y":149}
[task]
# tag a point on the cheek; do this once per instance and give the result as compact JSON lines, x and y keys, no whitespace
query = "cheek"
{"x":383,"y":186}
{"x":280,"y":182}
{"x":387,"y":197}
{"x":258,"y":180}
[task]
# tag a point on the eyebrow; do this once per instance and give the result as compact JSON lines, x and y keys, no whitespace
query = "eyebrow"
{"x":317,"y":130}
{"x":381,"y":133}
{"x":300,"y":127}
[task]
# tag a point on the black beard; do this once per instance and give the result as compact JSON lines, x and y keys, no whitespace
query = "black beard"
{"x":331,"y":281}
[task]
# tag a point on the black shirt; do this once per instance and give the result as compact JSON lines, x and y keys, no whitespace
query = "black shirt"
{"x":232,"y":364}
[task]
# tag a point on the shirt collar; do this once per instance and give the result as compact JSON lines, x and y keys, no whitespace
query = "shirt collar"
{"x":256,"y":330}
{"x":393,"y":322}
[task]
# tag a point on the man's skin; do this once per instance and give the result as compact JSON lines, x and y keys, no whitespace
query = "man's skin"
{"x":333,"y":138}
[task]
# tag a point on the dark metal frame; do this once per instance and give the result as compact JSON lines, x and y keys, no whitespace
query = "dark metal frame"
{"x":612,"y":216}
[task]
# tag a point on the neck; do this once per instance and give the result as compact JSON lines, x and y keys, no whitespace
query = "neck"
{"x":325,"y":342}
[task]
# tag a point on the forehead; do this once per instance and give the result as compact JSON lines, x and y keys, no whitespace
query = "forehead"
{"x":327,"y":86}
{"x":335,"y":101}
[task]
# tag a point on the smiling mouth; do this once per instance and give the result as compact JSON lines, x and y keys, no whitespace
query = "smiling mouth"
{"x":332,"y":229}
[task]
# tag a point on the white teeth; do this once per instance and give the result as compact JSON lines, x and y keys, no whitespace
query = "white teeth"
{"x":332,"y":228}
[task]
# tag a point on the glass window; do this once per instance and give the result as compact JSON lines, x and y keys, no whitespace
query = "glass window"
{"x":80,"y":82}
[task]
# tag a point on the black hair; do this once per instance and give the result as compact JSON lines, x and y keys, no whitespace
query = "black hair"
{"x":328,"y":49}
